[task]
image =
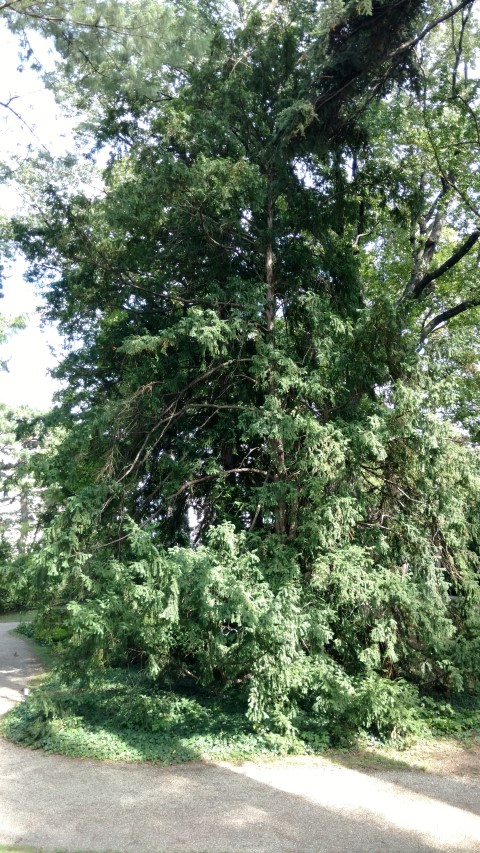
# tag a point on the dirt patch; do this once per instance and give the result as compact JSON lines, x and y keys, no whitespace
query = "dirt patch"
{"x":442,"y":757}
{"x":446,"y":758}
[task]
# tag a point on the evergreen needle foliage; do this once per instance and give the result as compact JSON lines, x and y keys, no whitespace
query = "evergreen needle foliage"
{"x":268,"y":477}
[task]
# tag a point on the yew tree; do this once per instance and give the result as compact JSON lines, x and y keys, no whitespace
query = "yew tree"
{"x":270,"y":473}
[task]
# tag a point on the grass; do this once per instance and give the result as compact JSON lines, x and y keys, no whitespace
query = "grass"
{"x":18,"y":616}
{"x":15,"y":848}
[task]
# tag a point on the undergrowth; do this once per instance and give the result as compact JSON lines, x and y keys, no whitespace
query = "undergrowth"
{"x":121,"y":719}
{"x":459,"y":719}
{"x":123,"y":716}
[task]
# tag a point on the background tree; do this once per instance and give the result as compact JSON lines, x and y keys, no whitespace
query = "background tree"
{"x":20,"y":503}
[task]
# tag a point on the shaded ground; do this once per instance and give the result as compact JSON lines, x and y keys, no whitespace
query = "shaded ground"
{"x":289,"y":806}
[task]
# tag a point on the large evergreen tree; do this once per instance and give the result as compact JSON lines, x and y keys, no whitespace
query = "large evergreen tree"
{"x":270,"y":477}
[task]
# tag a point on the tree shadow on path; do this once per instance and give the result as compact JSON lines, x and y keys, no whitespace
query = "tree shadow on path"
{"x":55,"y":802}
{"x":449,"y":788}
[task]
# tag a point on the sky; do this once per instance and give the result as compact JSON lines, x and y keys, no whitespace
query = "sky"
{"x":29,"y":353}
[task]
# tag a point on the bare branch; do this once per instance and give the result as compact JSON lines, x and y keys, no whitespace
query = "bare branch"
{"x":191,"y":483}
{"x":408,"y":45}
{"x":452,"y":261}
{"x":448,"y":315}
{"x":8,"y":106}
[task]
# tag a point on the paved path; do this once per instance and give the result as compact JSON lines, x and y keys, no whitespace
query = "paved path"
{"x":18,"y":667}
{"x":289,"y":806}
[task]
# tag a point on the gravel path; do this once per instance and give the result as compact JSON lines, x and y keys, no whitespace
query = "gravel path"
{"x":18,"y":667}
{"x":288,"y":806}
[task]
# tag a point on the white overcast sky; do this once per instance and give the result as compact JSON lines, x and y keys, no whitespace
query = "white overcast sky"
{"x":29,"y":352}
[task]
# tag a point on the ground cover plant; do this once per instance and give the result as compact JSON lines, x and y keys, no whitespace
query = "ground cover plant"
{"x":263,"y":476}
{"x":123,"y":716}
{"x":120,"y":719}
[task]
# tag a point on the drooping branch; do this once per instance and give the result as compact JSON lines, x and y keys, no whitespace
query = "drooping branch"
{"x":52,"y":14}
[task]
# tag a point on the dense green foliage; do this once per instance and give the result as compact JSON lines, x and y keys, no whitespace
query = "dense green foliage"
{"x":269,"y":481}
{"x":122,"y":716}
{"x":19,"y":502}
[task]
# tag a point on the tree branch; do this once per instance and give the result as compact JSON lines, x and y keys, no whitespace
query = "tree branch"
{"x":457,"y":256}
{"x":7,"y":105}
{"x":408,"y":45}
{"x":191,"y":483}
{"x":29,"y":12}
{"x":447,"y":315}
{"x":394,"y":56}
